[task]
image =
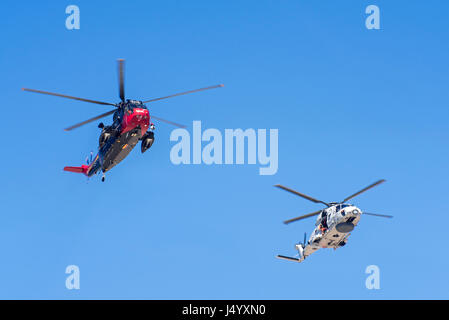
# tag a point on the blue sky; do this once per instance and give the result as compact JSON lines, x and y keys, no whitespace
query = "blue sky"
{"x":352,"y":106}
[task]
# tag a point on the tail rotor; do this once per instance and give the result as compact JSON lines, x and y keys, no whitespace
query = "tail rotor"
{"x":89,"y":158}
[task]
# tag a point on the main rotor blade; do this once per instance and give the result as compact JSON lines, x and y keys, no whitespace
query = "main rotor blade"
{"x":121,"y":81}
{"x":365,"y":189}
{"x":69,"y":97}
{"x":183,"y":93}
{"x":302,"y":217}
{"x":378,"y":215}
{"x":169,"y":122}
{"x":90,"y":120}
{"x":302,"y":195}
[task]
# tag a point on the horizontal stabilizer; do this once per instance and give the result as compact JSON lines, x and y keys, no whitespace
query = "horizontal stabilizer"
{"x":82,"y":169}
{"x":288,"y":258}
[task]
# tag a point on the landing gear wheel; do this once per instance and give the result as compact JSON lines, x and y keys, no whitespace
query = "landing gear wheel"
{"x":102,"y":178}
{"x":147,"y":141}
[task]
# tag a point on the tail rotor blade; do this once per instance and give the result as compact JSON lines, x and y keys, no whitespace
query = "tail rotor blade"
{"x":378,"y":215}
{"x":121,"y":80}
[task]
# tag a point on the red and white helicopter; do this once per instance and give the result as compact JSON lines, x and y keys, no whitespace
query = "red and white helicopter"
{"x":131,"y":124}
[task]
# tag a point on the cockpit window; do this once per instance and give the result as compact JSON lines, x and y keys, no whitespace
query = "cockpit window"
{"x":341,"y":206}
{"x":129,"y":108}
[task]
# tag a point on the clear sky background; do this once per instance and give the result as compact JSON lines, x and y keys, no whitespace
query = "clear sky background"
{"x":352,"y":106}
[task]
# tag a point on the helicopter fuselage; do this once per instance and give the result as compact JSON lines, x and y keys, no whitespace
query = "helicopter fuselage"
{"x":131,"y":122}
{"x":334,"y":225}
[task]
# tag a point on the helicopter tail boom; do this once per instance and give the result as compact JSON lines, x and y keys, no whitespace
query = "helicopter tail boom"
{"x":289,"y":258}
{"x":83,"y":169}
{"x":300,"y":247}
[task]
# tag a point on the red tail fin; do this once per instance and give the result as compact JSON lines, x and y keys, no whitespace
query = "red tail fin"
{"x":82,"y":169}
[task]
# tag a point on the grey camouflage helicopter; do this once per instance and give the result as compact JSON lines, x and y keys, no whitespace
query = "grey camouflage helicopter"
{"x":333,"y":224}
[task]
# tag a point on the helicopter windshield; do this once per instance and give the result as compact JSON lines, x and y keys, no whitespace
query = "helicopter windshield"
{"x":132,"y":104}
{"x":129,"y":108}
{"x":342,"y":206}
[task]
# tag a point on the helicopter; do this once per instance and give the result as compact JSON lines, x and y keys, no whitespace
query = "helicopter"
{"x":131,"y":124}
{"x":333,"y":224}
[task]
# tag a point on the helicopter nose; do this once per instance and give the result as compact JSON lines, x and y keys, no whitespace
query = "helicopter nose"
{"x":141,"y":116}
